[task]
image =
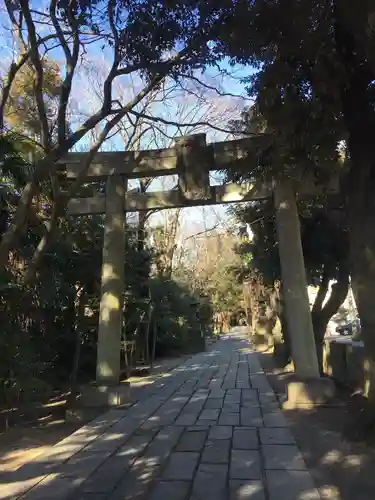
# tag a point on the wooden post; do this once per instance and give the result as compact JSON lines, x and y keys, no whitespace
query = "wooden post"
{"x":296,"y":298}
{"x":193,"y":167}
{"x":112,"y":287}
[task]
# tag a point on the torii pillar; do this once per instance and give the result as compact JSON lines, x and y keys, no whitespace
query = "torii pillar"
{"x":310,"y":388}
{"x":108,"y":391}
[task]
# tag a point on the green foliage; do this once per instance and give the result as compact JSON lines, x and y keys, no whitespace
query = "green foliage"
{"x":176,"y":317}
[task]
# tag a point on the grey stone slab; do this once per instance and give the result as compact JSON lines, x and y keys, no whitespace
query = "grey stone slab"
{"x":251,"y":417}
{"x":233,"y":395}
{"x":214,"y":404}
{"x":242,"y":489}
{"x":220,"y":432}
{"x":216,"y":393}
{"x":181,"y":466}
{"x":274,"y":419}
{"x":276,"y":435}
{"x":54,"y":486}
{"x":291,"y":485}
{"x":210,"y":482}
{"x":243,"y":384}
{"x":245,"y":439}
{"x":136,"y":483}
{"x":160,"y":448}
{"x":216,"y":451}
{"x":110,"y":473}
{"x":268,"y":399}
{"x":201,"y":425}
{"x":192,"y":441}
{"x":249,"y":396}
{"x":186,"y":419}
{"x":231,"y":407}
{"x":209,"y":414}
{"x":260,"y":382}
{"x":107,"y":477}
{"x":245,"y":464}
{"x":283,"y":457}
{"x":136,"y":445}
{"x":83,"y":464}
{"x":229,"y":419}
{"x":170,"y":490}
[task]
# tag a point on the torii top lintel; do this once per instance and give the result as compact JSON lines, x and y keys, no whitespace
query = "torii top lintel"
{"x":158,"y":162}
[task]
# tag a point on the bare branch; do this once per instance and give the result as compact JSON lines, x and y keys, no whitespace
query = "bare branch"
{"x":158,"y":119}
{"x":107,"y":88}
{"x":34,"y":56}
{"x":210,"y":87}
{"x":71,"y":63}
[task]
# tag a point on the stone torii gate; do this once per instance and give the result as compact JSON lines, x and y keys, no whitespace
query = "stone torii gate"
{"x":192,"y":160}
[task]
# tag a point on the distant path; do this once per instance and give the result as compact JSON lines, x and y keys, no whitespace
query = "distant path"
{"x":210,"y":430}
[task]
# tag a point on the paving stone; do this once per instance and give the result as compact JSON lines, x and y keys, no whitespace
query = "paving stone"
{"x":192,"y":441}
{"x":136,"y":482}
{"x":229,"y":419}
{"x":233,"y":395}
{"x":245,"y":439}
{"x":251,"y":417}
{"x":210,"y":414}
{"x":216,"y":451}
{"x":170,"y":490}
{"x":268,"y":399}
{"x":245,"y":464}
{"x":107,"y":477}
{"x":283,"y":457}
{"x":160,"y":448}
{"x":220,"y":432}
{"x":186,"y":419}
{"x":276,"y":435}
{"x":83,"y":464}
{"x":242,"y":489}
{"x":260,"y":382}
{"x":181,"y":466}
{"x":243,"y":384}
{"x":112,"y":471}
{"x":274,"y":419}
{"x":201,"y":425}
{"x":231,"y":407}
{"x":53,"y":486}
{"x":214,"y":404}
{"x":249,"y":397}
{"x":216,"y":393}
{"x":210,"y":482}
{"x":291,"y":485}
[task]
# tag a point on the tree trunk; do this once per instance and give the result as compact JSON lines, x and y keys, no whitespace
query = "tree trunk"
{"x":79,"y":304}
{"x":154,"y":335}
{"x":360,"y":188}
{"x":321,"y":317}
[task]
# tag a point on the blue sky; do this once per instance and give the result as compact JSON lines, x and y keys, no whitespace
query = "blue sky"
{"x":85,"y":101}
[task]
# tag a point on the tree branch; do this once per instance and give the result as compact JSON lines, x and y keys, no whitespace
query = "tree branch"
{"x":35,"y":59}
{"x":71,"y":63}
{"x":158,"y":119}
{"x":210,"y":87}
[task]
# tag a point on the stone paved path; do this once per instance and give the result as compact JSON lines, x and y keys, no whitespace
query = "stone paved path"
{"x":212,"y":430}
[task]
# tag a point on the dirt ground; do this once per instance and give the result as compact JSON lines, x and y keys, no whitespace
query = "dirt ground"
{"x":342,"y":470}
{"x":33,"y":437}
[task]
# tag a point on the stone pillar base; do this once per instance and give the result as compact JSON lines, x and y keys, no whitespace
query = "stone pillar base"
{"x":307,"y":394}
{"x":96,"y":399}
{"x":105,"y":395}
